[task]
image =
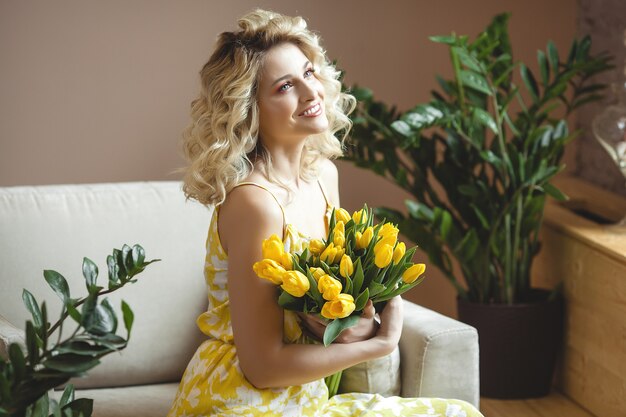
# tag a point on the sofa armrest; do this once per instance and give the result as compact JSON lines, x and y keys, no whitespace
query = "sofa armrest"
{"x":10,"y":334}
{"x":438,"y":356}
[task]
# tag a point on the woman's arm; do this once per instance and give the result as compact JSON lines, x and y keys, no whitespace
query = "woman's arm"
{"x":248,"y":216}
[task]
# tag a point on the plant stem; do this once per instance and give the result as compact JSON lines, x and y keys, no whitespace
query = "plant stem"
{"x":459,"y":85}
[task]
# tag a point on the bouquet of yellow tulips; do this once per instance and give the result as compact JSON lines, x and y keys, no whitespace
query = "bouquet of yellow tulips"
{"x":359,"y":261}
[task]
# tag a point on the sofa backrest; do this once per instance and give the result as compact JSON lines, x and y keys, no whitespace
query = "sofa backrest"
{"x":54,"y":227}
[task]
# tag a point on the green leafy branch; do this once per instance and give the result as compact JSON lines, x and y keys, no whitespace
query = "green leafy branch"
{"x":27,"y":376}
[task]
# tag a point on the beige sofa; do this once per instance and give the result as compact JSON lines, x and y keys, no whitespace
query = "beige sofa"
{"x":54,"y":227}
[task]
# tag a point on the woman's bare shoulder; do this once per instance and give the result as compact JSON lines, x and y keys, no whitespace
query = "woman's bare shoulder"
{"x":249,"y":211}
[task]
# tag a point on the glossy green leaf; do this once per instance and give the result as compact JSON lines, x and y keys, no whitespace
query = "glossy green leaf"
{"x":553,"y":56}
{"x":449,"y":40}
{"x":71,"y":363}
{"x":554,"y":192}
{"x":544,"y":68}
{"x":485,"y":119}
{"x":475,"y":81}
{"x":114,"y":271}
{"x":80,"y":407}
{"x":336,"y":326}
{"x":68,"y":395}
{"x":128,"y":259}
{"x":403,"y":128}
{"x":446,"y":225}
{"x":139,"y":255}
{"x":58,"y":283}
{"x":32,"y":307}
{"x":16,"y":356}
{"x":111,"y":314}
{"x":361,"y":93}
{"x":31,"y":343}
{"x":99,"y":320}
{"x":41,"y":407}
{"x":468,"y":60}
{"x":530,"y":82}
{"x":90,"y":272}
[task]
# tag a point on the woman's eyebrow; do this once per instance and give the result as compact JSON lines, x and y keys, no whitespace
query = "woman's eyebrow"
{"x":284,"y":77}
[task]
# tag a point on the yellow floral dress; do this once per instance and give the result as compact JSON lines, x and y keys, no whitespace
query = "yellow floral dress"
{"x":214,"y":385}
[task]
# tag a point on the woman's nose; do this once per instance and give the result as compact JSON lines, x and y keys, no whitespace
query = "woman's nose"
{"x":308,"y":92}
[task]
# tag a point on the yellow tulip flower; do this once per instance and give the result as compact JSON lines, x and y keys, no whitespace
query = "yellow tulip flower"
{"x":386,"y":240}
{"x":316,"y":246}
{"x":317,"y":272}
{"x":329,"y":287}
{"x":411,"y":274}
{"x":339,"y":234}
{"x":398,"y":252}
{"x":270,"y":270}
{"x":331,"y":254}
{"x":364,"y":240}
{"x":341,"y":215}
{"x":273,"y":248}
{"x":346,"y":267}
{"x":359,"y":216}
{"x":383,"y":256}
{"x":295,"y":283}
{"x":340,"y":307}
{"x":388,"y":229}
{"x":287,"y":261}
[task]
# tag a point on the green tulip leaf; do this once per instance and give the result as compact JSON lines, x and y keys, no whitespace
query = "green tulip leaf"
{"x":361,"y":300}
{"x":336,"y":326}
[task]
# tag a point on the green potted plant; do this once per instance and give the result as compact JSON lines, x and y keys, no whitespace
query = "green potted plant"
{"x":51,"y":358}
{"x":480,"y":172}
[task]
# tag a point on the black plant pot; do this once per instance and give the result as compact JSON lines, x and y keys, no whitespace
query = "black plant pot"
{"x":518,"y":344}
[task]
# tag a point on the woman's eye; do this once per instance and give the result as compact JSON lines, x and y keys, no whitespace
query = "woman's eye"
{"x":284,"y":87}
{"x":308,"y":73}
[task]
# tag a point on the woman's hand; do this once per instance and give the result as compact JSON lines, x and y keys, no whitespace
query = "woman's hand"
{"x":391,"y":319}
{"x":365,"y":329}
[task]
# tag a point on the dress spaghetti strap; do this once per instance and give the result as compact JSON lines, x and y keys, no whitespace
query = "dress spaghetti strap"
{"x":321,"y":184}
{"x":272,"y":194}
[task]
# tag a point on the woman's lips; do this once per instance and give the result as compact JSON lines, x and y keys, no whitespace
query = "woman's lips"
{"x":312,"y":111}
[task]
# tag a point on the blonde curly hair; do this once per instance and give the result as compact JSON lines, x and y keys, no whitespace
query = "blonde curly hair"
{"x":221,"y":142}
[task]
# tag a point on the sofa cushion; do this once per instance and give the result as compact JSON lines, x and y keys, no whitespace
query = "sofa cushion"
{"x":378,"y":376}
{"x":54,"y":227}
{"x":139,"y":401}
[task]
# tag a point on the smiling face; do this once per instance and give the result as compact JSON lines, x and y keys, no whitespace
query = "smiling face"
{"x":290,"y":97}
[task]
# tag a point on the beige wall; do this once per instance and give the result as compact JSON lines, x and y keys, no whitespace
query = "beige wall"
{"x":99,"y":91}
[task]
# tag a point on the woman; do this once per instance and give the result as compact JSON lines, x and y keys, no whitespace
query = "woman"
{"x":259,"y":145}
